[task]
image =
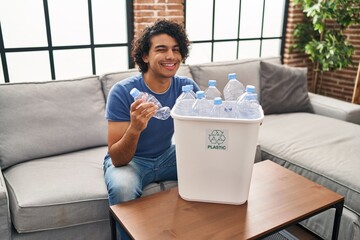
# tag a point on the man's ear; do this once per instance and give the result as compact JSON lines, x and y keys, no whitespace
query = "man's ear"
{"x":145,"y":59}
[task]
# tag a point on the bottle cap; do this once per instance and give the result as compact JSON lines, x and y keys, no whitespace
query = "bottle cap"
{"x":191,"y":87}
{"x":200,"y":94}
{"x":217,"y":101}
{"x":185,"y":88}
{"x":231,"y":76}
{"x":134,"y":92}
{"x":250,"y":89}
{"x":212,"y":83}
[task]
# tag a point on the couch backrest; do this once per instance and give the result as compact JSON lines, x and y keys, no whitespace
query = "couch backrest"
{"x":109,"y":79}
{"x":247,"y":71}
{"x":49,"y":118}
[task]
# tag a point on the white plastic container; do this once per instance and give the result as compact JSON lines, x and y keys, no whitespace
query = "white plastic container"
{"x":215,"y":157}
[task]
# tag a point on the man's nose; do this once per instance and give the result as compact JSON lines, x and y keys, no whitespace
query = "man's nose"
{"x":170,"y":54}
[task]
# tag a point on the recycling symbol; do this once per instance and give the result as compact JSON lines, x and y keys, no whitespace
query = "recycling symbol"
{"x":217,"y":137}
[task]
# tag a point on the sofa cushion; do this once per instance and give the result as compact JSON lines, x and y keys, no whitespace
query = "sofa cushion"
{"x":48,"y":118}
{"x":108,"y":80}
{"x":283,"y":89}
{"x":247,"y":72}
{"x":335,"y":108}
{"x":59,"y":191}
{"x":323,"y":149}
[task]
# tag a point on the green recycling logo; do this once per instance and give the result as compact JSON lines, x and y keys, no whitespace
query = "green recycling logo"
{"x":217,"y":139}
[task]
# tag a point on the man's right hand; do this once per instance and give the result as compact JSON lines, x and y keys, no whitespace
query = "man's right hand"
{"x":140,"y":114}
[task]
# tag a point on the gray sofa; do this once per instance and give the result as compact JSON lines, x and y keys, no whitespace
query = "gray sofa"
{"x":53,"y":137}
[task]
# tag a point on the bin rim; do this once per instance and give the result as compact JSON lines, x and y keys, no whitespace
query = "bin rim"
{"x":213,"y":119}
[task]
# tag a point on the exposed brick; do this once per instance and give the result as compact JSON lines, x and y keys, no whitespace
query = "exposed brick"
{"x":175,"y":1}
{"x":143,"y":1}
{"x":143,"y":13}
{"x":175,"y":7}
{"x":171,"y":13}
{"x":149,"y":7}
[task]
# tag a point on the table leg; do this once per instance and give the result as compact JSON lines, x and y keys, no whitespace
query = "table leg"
{"x":338,"y":212}
{"x":112,"y":226}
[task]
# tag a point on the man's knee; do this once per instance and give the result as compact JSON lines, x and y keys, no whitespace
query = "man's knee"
{"x":122,"y":186}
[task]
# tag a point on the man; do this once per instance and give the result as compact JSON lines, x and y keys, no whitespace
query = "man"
{"x":139,"y":146}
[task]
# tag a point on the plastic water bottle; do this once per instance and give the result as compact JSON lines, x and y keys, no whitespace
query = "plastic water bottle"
{"x":162,"y":113}
{"x":186,"y":93}
{"x":185,"y":101}
{"x":248,"y":89}
{"x":212,"y":92}
{"x":192,"y":90}
{"x":217,"y":110}
{"x":201,"y":106}
{"x":233,"y":89}
{"x":248,"y":104}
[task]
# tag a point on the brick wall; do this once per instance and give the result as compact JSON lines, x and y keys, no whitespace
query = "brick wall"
{"x":294,"y":57}
{"x":148,"y":11}
{"x":339,"y":84}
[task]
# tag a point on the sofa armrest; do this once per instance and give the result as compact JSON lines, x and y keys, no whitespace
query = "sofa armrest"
{"x":5,"y":220}
{"x":335,"y":108}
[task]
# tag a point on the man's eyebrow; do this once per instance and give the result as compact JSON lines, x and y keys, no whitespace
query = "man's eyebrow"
{"x":164,"y":46}
{"x":160,"y":46}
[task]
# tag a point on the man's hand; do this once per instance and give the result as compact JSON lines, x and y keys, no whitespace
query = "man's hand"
{"x":140,"y":114}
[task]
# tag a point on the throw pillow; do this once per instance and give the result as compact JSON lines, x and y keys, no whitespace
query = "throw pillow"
{"x":283,"y":89}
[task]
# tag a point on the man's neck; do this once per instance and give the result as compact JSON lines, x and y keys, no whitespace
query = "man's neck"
{"x":156,"y":84}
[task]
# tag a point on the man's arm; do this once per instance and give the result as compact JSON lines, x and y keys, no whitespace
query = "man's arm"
{"x":123,"y":137}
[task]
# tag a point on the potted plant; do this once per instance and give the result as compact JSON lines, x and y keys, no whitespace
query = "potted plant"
{"x":321,"y":34}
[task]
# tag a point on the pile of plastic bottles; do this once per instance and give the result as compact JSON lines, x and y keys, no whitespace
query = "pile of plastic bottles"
{"x":239,"y":102}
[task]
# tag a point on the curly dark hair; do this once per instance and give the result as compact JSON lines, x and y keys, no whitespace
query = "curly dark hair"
{"x":141,"y":46}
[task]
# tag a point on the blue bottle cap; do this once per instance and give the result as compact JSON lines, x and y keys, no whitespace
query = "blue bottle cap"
{"x":200,"y":94}
{"x":185,"y":88}
{"x":250,"y":89}
{"x":231,"y":76}
{"x":217,"y":101}
{"x":134,"y":92}
{"x":212,"y":83}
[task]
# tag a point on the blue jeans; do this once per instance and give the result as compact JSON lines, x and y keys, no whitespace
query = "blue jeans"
{"x":127,"y":182}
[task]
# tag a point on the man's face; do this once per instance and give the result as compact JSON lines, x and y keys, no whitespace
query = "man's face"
{"x":164,"y":56}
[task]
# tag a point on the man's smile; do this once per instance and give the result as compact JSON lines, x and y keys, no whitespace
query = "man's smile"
{"x":169,"y":66}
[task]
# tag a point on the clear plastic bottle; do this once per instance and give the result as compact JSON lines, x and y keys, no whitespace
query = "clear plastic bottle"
{"x":248,"y":104}
{"x":192,"y":90}
{"x":217,"y":110}
{"x":185,"y":101}
{"x":212,"y":92}
{"x":201,"y":106}
{"x":162,"y":113}
{"x":233,"y":89}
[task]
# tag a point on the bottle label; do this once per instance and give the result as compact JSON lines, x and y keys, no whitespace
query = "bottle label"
{"x":216,"y":139}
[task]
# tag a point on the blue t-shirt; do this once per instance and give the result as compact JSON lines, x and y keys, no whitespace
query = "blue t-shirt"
{"x":156,"y":138}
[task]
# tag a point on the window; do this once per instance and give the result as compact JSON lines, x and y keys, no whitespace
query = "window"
{"x":59,"y":39}
{"x":234,"y":29}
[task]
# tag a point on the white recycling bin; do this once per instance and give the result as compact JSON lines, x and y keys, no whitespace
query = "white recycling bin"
{"x":215,"y":157}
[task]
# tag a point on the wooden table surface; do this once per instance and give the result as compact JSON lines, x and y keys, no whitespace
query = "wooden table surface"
{"x":278,"y":197}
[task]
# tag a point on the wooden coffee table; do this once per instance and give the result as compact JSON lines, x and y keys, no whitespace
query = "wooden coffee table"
{"x":278,"y":198}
